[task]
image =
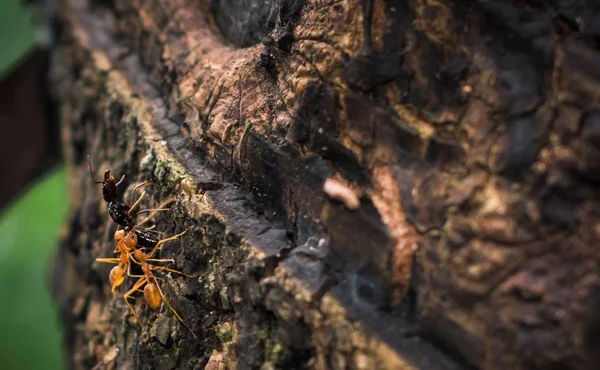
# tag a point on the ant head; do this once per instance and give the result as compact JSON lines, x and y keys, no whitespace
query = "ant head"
{"x":131,"y":239}
{"x":109,"y":187}
{"x":119,"y":235}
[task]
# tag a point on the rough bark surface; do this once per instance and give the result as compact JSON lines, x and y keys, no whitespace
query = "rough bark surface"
{"x":466,"y":130}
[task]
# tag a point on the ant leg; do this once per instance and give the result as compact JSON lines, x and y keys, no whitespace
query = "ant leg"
{"x":152,"y":211}
{"x":165,"y":298}
{"x":129,"y":268}
{"x":116,"y":250}
{"x":161,"y":242}
{"x":136,"y":202}
{"x":143,"y":280}
{"x":160,"y":207}
{"x":150,"y":216}
{"x":114,"y":290}
{"x":132,"y":258}
{"x":151,"y":230}
{"x":120,"y":181}
{"x":169,"y":304}
{"x":132,"y":310}
{"x":145,"y":183}
{"x":162,"y":268}
{"x":108,"y":260}
{"x":145,"y":259}
{"x":141,"y":290}
{"x":160,"y":260}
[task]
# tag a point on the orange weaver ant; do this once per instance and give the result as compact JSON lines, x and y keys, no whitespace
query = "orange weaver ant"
{"x":130,"y":252}
{"x":152,"y":292}
{"x":128,"y":242}
{"x":127,"y":247}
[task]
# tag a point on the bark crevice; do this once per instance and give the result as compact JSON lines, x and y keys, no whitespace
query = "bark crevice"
{"x":462,"y":144}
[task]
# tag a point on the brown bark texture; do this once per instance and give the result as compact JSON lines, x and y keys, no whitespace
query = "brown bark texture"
{"x":376,"y":184}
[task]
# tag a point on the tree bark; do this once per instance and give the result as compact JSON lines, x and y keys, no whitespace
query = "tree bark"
{"x":365,"y":184}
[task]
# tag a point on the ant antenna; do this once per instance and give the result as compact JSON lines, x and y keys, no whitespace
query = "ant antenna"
{"x":120,"y":181}
{"x":92,"y":171}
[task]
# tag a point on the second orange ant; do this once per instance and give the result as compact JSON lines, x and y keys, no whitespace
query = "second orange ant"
{"x":152,"y":292}
{"x":129,"y":239}
{"x":128,"y":253}
{"x":127,"y":247}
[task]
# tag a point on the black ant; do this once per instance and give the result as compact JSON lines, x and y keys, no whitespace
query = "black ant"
{"x":118,"y":211}
{"x":121,"y":212}
{"x":285,"y":39}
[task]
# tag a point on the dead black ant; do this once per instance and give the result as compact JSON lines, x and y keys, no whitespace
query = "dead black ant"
{"x":120,"y":212}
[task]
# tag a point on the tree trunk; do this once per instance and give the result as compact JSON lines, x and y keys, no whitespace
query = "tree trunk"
{"x":365,"y":184}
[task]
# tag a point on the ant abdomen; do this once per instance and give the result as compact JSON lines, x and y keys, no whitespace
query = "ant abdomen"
{"x":152,"y":295}
{"x":145,"y":240}
{"x":116,"y":276}
{"x":119,"y":212}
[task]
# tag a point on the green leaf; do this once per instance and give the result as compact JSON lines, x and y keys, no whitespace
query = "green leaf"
{"x":31,"y":338}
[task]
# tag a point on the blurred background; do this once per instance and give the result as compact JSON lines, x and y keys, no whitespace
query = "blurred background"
{"x":33,"y":200}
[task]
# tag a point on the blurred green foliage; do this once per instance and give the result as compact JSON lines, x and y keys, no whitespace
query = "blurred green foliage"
{"x":17,"y":35}
{"x":30,"y":335}
{"x":31,"y":338}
